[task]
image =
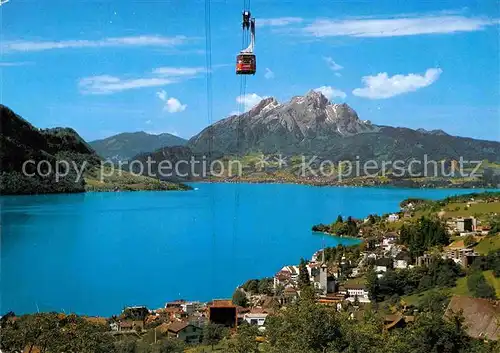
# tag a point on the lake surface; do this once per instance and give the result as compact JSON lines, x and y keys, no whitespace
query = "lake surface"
{"x":95,"y":253}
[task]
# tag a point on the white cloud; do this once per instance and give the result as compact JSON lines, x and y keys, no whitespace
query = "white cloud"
{"x":19,"y":63}
{"x":106,"y":84}
{"x":178,"y":71}
{"x":330,"y":92}
{"x":397,"y":26}
{"x":162,"y":95}
{"x":249,"y":100}
{"x":172,"y":105}
{"x":134,"y":41}
{"x":332,"y":64}
{"x":382,"y":86}
{"x":148,"y":122}
{"x":269,"y":74}
{"x":338,"y":74}
{"x":278,"y":21}
{"x":3,"y":2}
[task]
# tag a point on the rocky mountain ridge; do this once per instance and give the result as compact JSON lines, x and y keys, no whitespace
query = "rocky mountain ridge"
{"x":312,"y":125}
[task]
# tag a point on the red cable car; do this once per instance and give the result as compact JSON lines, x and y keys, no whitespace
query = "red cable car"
{"x":246,"y":63}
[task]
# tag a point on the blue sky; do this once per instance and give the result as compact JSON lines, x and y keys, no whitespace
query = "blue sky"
{"x":104,"y":67}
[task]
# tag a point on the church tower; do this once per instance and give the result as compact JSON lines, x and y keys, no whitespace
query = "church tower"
{"x":323,"y":274}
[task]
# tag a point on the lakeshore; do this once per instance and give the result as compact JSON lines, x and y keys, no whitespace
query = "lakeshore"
{"x":413,"y":183}
{"x":345,"y":282}
{"x":167,"y":226}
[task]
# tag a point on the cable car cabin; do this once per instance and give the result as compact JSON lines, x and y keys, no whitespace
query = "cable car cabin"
{"x":246,"y":64}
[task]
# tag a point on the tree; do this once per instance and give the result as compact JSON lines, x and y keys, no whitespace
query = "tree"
{"x":479,"y":287}
{"x":125,"y":346}
{"x":469,"y":241}
{"x":352,"y":227}
{"x":494,"y":224}
{"x":265,"y":286}
{"x":240,"y":298}
{"x":423,"y":235}
{"x":432,"y":333}
{"x":50,"y":332}
{"x":493,"y":260}
{"x":308,"y":294}
{"x":245,"y":341}
{"x":251,"y":286}
{"x":170,"y":345}
{"x":303,"y":279}
{"x":303,"y":327}
{"x":433,"y":301}
{"x":339,"y":219}
{"x":213,"y":334}
{"x":373,"y":286}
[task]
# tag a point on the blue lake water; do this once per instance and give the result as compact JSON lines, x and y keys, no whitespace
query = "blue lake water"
{"x":95,"y":253}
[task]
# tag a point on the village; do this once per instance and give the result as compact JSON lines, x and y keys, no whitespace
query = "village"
{"x":339,"y":282}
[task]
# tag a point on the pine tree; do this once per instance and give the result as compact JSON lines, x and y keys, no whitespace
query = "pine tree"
{"x":303,"y":280}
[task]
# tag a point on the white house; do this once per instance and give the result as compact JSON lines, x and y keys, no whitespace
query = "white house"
{"x":402,"y":260}
{"x":467,"y":224}
{"x":316,"y":256}
{"x":190,"y":307}
{"x":355,"y":290}
{"x":282,"y":278}
{"x":389,"y":239}
{"x":401,"y":264}
{"x":293,"y":270}
{"x":255,"y":318}
{"x":380,"y":270}
{"x":393,"y":217}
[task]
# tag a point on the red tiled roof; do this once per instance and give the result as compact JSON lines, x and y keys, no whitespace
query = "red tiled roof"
{"x":178,"y":326}
{"x":151,"y":318}
{"x":222,"y":303}
{"x":259,"y":311}
{"x":283,"y":275}
{"x":125,"y":324}
{"x":241,"y":309}
{"x":314,"y":264}
{"x":162,"y":328}
{"x":392,"y":320}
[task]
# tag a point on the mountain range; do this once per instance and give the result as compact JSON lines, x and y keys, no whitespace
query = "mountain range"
{"x":126,"y":145}
{"x":307,"y":125}
{"x":312,"y":125}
